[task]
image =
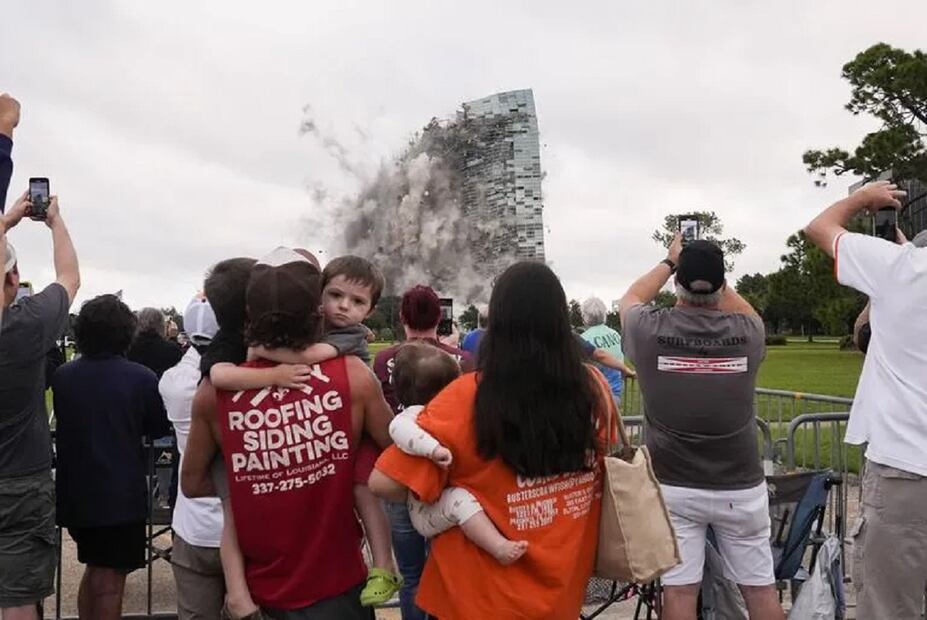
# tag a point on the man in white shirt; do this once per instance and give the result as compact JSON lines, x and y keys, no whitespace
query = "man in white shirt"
{"x":890,"y":410}
{"x":197,"y":522}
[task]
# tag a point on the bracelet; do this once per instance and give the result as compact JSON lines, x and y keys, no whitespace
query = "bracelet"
{"x":669,"y":264}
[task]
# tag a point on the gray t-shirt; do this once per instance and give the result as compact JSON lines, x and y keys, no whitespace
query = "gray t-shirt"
{"x":351,"y":340}
{"x":697,"y":371}
{"x":29,"y":330}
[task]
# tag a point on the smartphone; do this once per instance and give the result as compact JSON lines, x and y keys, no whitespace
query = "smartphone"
{"x":885,"y":224}
{"x":446,"y":326}
{"x":39,"y":196}
{"x":689,"y":228}
{"x":25,"y":290}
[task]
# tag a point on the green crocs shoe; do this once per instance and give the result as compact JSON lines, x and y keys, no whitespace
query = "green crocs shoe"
{"x":382,"y":585}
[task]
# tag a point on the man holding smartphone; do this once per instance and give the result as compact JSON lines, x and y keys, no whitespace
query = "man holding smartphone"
{"x":697,"y":365}
{"x":27,"y":492}
{"x":890,"y":409}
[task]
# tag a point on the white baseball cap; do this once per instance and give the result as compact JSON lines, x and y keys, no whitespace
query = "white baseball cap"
{"x":9,"y":260}
{"x":199,"y":321}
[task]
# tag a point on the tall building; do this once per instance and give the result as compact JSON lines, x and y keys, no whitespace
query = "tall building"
{"x":501,"y":178}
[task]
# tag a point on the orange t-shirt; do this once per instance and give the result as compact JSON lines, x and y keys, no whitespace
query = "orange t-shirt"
{"x":557,"y":515}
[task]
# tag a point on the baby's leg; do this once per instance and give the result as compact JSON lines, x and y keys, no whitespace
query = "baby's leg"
{"x":238,"y":599}
{"x":376,"y":527}
{"x":457,"y":506}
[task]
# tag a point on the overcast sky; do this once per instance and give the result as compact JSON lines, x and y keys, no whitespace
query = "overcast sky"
{"x":170,"y":129}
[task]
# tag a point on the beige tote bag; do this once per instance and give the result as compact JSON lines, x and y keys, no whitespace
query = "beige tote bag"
{"x":636,"y":539}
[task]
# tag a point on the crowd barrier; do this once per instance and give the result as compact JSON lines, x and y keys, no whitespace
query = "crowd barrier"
{"x":795,"y":431}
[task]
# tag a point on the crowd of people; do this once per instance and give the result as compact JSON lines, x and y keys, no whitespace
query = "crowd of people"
{"x":474,"y":474}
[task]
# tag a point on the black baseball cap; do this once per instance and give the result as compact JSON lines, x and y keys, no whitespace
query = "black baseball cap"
{"x":701,"y":261}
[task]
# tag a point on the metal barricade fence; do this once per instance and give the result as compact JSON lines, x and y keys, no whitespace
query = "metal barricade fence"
{"x":797,"y":431}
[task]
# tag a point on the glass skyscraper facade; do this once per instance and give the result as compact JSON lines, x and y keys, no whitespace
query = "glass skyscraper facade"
{"x":501,"y":178}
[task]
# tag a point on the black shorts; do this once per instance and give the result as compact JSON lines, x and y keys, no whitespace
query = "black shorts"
{"x":121,"y":547}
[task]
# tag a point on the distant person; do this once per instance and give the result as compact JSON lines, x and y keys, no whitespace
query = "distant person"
{"x":29,"y":330}
{"x":889,"y":412}
{"x":697,"y":364}
{"x":452,"y":339}
{"x":471,"y":342}
{"x":420,"y":315}
{"x":105,"y":406}
{"x":197,"y":523}
{"x":526,"y":434}
{"x":601,"y":336}
{"x":151,"y":347}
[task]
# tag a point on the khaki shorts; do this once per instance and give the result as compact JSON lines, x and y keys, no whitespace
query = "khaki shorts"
{"x":200,"y":584}
{"x":28,"y":554}
{"x":890,"y":545}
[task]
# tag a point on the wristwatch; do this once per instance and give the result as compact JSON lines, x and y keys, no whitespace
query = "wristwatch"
{"x":669,"y":264}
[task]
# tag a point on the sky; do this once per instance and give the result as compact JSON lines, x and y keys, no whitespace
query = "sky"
{"x":170,"y":130}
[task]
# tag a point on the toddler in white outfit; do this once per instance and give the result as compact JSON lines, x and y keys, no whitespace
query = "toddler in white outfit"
{"x":421,"y":371}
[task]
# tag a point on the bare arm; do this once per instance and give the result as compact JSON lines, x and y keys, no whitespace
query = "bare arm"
{"x":67,"y":271}
{"x":202,"y":445}
{"x":825,"y":228}
{"x":226,"y":376}
{"x":383,"y":486}
{"x":648,"y":286}
{"x":607,"y":359}
{"x":312,"y":354}
{"x":366,"y":390}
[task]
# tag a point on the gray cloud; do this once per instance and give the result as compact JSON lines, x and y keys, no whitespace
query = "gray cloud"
{"x":171,"y":129}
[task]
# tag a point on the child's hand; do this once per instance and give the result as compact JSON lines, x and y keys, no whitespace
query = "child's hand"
{"x":442,"y":456}
{"x":292,"y":376}
{"x":629,"y":374}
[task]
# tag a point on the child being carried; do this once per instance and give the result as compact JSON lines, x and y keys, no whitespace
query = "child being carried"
{"x":421,"y":371}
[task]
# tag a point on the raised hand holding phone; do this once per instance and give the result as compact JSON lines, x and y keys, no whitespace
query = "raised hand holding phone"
{"x":40,"y":197}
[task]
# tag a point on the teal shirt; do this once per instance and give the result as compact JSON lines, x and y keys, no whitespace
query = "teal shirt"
{"x":604,"y":337}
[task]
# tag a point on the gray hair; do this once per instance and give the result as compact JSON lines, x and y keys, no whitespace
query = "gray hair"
{"x":920,"y":241}
{"x":593,"y":311}
{"x":151,"y":320}
{"x":699,"y":300}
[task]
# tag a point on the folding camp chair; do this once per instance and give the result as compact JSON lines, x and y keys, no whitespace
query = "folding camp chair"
{"x":797,"y":506}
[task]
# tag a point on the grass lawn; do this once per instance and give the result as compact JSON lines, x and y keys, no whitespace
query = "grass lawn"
{"x":817,"y":368}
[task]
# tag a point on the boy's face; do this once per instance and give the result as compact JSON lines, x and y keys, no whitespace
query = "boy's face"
{"x":345,"y":302}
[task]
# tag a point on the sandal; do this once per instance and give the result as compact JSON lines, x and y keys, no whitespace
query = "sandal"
{"x":382,"y":586}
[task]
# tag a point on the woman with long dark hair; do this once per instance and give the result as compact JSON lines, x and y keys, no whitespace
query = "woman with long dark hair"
{"x":527,"y":436}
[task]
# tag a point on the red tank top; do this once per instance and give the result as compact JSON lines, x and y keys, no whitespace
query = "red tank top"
{"x":289,"y":455}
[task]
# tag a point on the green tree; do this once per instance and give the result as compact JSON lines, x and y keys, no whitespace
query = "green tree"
{"x":755,"y":289}
{"x":805,"y":294}
{"x":664,"y":299}
{"x":889,"y":84}
{"x":576,"y":314}
{"x":470,"y":318}
{"x":711,"y":229}
{"x":388,"y":312}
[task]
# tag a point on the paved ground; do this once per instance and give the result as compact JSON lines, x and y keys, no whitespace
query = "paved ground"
{"x":163,"y":595}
